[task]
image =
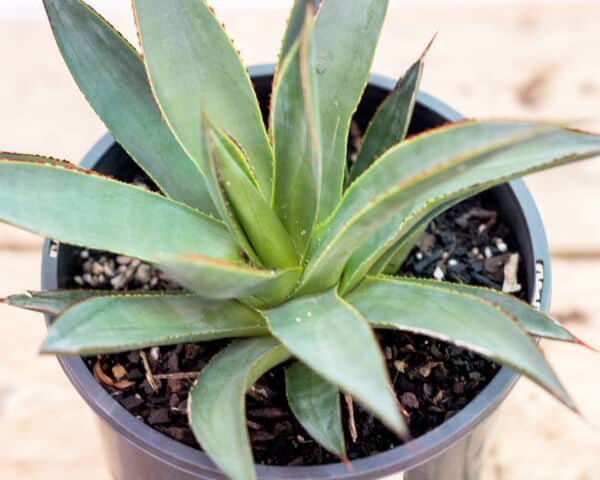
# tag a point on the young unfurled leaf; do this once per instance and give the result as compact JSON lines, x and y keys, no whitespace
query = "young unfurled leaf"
{"x":535,"y":322}
{"x":390,"y":123}
{"x":83,"y":208}
{"x":118,"y":323}
{"x":315,"y":402}
{"x":295,"y":24}
{"x":333,"y":339}
{"x":209,"y":165}
{"x":432,"y":166}
{"x":346,"y":35}
{"x":297,"y":142}
{"x":218,"y":279}
{"x":267,"y":235}
{"x":111,"y":75}
{"x":458,"y":318}
{"x":217,"y":403}
{"x":192,"y":62}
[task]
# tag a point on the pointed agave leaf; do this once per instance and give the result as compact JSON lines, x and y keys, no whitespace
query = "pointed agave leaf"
{"x":218,"y":279}
{"x":294,"y":27}
{"x":548,"y":151}
{"x":464,"y":320}
{"x":120,"y":95}
{"x":535,"y":322}
{"x":119,"y":323}
{"x":397,"y":243}
{"x":52,"y":302}
{"x":262,"y":226}
{"x":346,"y":35}
{"x":431,"y":166}
{"x":390,"y":123}
{"x":217,"y":403}
{"x":209,"y":165}
{"x":192,"y":62}
{"x":334,"y":339}
{"x":80,"y":207}
{"x":392,"y":185}
{"x":297,"y":142}
{"x":316,"y":405}
{"x":389,"y":251}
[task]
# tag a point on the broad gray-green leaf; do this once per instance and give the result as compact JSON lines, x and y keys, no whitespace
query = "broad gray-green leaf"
{"x":214,"y":181}
{"x":541,"y":153}
{"x":424,"y":170}
{"x":192,"y":62}
{"x":297,"y":142}
{"x":333,"y":339}
{"x":535,"y":322}
{"x":217,"y":403}
{"x":218,"y":279}
{"x":382,"y":194}
{"x":119,"y":323}
{"x":51,"y":302}
{"x":315,"y":403}
{"x":294,"y":27}
{"x":390,"y":123}
{"x":392,"y":248}
{"x":346,"y":35}
{"x":80,"y":207}
{"x":464,"y":320}
{"x":262,"y":226}
{"x":111,"y":75}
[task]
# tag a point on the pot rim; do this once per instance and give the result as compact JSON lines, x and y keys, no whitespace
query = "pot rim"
{"x":399,"y":459}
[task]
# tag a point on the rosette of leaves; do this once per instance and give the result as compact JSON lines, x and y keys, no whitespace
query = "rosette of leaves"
{"x":279,"y":245}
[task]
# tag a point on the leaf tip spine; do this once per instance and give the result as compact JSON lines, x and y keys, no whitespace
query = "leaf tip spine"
{"x":46,"y":350}
{"x":576,"y":340}
{"x":428,"y":47}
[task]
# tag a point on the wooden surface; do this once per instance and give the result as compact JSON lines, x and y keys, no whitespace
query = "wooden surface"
{"x":517,"y":61}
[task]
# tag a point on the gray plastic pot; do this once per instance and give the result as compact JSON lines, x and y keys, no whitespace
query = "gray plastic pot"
{"x":452,"y":451}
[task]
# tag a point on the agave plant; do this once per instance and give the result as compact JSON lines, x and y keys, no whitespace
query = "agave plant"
{"x":278,"y":244}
